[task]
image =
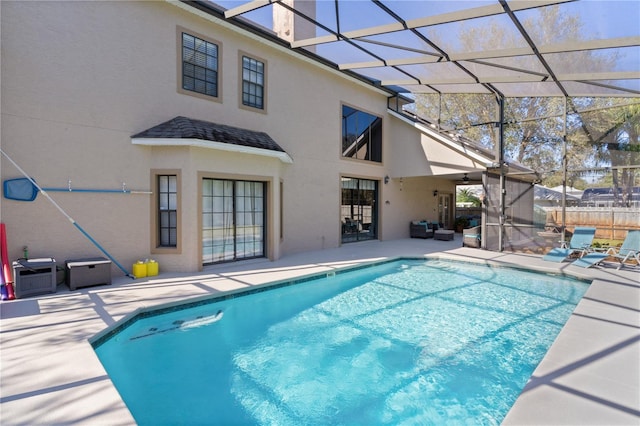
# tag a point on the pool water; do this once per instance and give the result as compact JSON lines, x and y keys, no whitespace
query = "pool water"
{"x":404,"y":342}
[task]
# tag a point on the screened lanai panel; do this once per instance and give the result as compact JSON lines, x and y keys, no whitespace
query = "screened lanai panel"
{"x":326,"y":17}
{"x":439,"y":73}
{"x":503,"y":38}
{"x":485,"y":33}
{"x":618,"y":88}
{"x":474,"y":88}
{"x":376,"y":16}
{"x":518,"y":219}
{"x":388,"y":74}
{"x":396,"y":54}
{"x":416,"y":89}
{"x":594,"y":19}
{"x":492,"y":73}
{"x":406,"y":43}
{"x":541,"y":89}
{"x":527,"y":64}
{"x":611,"y":125}
{"x":340,"y":51}
{"x":594,"y":65}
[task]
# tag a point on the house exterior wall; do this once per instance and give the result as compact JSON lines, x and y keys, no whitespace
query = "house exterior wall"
{"x":422,"y":155}
{"x":80,"y":78}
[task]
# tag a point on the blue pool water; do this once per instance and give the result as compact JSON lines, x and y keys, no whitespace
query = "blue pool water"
{"x":405,"y":342}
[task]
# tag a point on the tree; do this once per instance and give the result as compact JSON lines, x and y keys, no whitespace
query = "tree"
{"x":614,"y":136}
{"x":534,"y":127}
{"x":465,"y":195}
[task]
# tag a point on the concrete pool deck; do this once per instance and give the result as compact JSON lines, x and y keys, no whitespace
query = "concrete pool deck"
{"x":49,"y":373}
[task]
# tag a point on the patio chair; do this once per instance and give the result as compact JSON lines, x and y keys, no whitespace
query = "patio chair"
{"x":630,"y":249}
{"x":471,"y":237}
{"x":579,"y":243}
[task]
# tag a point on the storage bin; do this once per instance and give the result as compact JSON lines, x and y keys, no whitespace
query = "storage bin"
{"x":88,"y":272}
{"x":34,"y":276}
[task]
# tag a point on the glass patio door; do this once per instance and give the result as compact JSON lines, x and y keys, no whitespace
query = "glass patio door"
{"x":358,"y":209}
{"x":233,"y":220}
{"x":445,"y":210}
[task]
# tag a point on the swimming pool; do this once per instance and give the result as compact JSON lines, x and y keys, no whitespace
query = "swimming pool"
{"x":403,"y":342}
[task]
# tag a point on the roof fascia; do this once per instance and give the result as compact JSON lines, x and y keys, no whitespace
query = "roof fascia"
{"x":220,"y":146}
{"x":205,"y":11}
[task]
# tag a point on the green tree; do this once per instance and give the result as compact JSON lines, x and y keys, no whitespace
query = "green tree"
{"x":534,"y":127}
{"x":613,"y":132}
{"x":465,"y":195}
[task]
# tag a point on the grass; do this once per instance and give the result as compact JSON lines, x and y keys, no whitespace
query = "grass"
{"x":604,"y":242}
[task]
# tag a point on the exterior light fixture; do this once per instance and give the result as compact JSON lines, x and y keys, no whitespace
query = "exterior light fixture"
{"x":435,"y":192}
{"x":386,"y":180}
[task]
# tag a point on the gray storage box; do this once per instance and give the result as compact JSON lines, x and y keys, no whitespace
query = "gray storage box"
{"x":34,"y":276}
{"x":88,"y":272}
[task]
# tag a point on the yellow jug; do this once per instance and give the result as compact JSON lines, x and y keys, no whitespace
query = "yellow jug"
{"x":152,"y":268}
{"x":139,"y":269}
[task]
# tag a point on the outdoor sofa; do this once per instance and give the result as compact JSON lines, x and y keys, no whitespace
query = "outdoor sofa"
{"x":421,"y":229}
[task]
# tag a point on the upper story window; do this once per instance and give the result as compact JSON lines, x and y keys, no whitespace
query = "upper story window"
{"x":361,"y":135}
{"x":253,"y":82}
{"x":199,"y":65}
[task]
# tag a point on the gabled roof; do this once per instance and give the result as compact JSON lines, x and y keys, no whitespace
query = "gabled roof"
{"x":183,"y":131}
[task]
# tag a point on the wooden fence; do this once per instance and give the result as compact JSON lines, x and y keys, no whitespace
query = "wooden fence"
{"x":468,"y":211}
{"x":610,"y":222}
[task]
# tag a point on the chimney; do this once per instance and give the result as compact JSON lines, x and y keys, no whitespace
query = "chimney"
{"x":291,"y":27}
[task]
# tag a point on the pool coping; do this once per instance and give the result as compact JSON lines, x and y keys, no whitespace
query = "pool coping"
{"x":51,"y":375}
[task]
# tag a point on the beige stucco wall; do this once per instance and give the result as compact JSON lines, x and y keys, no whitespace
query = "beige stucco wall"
{"x":79,"y":78}
{"x":422,"y":154}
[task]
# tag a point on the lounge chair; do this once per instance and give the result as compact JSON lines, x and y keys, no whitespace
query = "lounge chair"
{"x":590,"y":259}
{"x":630,"y":249}
{"x":579,"y":243}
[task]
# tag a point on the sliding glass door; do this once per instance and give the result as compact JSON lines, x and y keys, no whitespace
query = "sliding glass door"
{"x":233,"y":220}
{"x":358,"y":209}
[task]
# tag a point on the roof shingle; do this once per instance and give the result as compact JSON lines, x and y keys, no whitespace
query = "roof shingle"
{"x":188,"y":128}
